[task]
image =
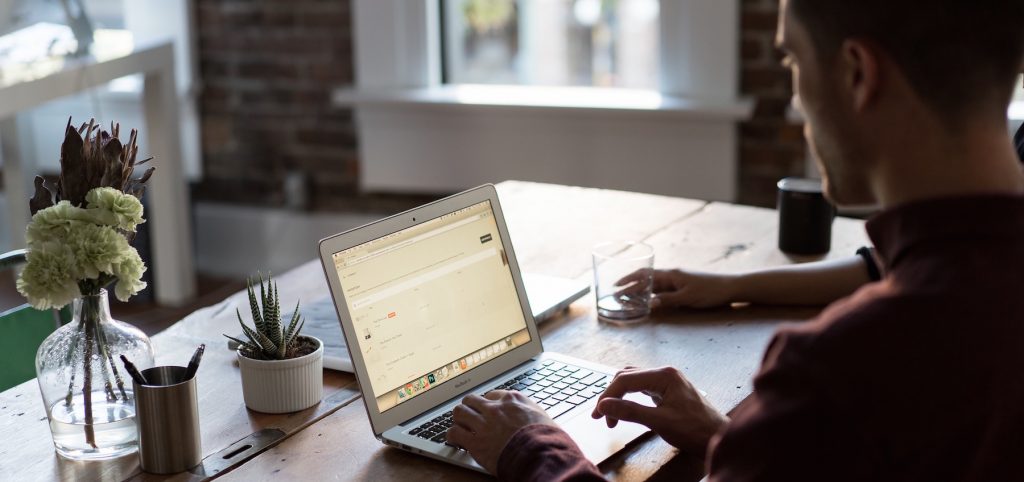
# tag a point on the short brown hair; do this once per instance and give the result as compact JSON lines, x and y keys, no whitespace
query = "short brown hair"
{"x":954,"y":53}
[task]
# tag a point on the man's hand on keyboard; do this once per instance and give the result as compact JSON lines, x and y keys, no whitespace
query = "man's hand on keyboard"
{"x":681,"y":415}
{"x":484,"y":425}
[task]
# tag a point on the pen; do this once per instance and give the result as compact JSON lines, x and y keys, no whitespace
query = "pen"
{"x":133,"y":372}
{"x":193,"y":364}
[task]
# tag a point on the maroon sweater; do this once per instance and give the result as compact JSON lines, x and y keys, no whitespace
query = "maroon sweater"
{"x":918,"y":377}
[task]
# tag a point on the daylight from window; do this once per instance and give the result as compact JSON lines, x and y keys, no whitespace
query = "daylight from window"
{"x":36,"y":35}
{"x":599,"y":43}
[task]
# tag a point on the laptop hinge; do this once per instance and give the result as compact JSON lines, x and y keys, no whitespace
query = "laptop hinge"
{"x":475,"y":388}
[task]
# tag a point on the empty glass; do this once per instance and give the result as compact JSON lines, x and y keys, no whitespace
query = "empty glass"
{"x":623,"y":280}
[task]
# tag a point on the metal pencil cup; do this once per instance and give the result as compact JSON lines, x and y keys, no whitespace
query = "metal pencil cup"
{"x":167,"y":418}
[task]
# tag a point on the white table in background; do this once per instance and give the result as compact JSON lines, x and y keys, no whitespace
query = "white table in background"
{"x":170,"y":225}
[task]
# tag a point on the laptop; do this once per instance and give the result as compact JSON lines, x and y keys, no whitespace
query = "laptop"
{"x":433,"y":308}
{"x":549,"y":296}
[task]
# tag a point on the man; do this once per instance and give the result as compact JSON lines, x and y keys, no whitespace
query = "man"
{"x":917,"y":377}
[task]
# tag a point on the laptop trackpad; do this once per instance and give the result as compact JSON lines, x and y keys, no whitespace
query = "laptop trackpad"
{"x":595,"y":439}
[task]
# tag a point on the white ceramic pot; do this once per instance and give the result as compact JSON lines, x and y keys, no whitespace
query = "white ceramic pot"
{"x":282,"y":386}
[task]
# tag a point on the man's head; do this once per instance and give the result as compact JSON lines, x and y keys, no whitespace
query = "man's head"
{"x":864,"y":71}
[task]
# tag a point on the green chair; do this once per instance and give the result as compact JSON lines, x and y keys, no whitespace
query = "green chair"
{"x":24,"y":328}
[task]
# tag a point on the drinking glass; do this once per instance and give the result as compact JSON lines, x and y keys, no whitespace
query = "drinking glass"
{"x":623,"y":280}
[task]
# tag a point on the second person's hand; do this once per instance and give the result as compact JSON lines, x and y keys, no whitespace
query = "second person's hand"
{"x":677,"y":288}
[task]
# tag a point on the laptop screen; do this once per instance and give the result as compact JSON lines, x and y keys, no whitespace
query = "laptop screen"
{"x":431,"y":302}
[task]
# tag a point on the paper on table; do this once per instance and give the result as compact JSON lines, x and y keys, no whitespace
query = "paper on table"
{"x":322,"y":322}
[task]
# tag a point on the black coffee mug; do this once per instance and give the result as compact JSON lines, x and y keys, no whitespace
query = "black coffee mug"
{"x":805,"y":217}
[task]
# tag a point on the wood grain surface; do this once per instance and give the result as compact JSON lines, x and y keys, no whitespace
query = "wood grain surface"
{"x":552,"y":229}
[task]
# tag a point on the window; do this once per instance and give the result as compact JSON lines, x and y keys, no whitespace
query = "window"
{"x":1018,"y":93}
{"x":423,"y":129}
{"x":600,"y":43}
{"x":36,"y":35}
{"x":102,"y":14}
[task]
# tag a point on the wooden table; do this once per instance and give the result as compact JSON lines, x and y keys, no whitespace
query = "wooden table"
{"x":552,"y":229}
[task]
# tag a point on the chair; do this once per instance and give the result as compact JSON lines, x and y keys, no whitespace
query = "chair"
{"x":22,"y":330}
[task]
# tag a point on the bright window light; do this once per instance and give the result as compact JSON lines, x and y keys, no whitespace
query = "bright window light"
{"x":598,"y":43}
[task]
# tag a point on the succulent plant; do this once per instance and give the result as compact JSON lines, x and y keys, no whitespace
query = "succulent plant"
{"x":269,"y":339}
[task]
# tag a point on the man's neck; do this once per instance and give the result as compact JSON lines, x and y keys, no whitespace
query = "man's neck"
{"x":972,"y":162}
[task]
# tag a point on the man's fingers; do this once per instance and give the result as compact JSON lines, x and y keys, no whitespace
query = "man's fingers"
{"x":467,"y":417}
{"x":629,"y":380}
{"x":461,"y":437}
{"x":627,"y":368}
{"x":652,"y":380}
{"x":618,"y":409}
{"x":476,"y":402}
{"x":496,"y":394}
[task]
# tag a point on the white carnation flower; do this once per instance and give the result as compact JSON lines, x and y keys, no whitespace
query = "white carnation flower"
{"x":129,"y":275}
{"x":115,"y":208}
{"x":49,"y":280}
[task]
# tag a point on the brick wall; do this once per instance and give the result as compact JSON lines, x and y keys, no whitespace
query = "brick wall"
{"x":267,"y":68}
{"x":770,"y":147}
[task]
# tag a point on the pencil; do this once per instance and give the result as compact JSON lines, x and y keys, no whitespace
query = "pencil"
{"x":193,"y":364}
{"x":133,"y":372}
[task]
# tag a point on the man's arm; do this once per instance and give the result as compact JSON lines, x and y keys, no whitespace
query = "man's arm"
{"x":513,"y":438}
{"x":492,"y":429}
{"x":791,"y":428}
{"x":544,"y":453}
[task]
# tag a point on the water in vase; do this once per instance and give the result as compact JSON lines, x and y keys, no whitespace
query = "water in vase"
{"x":113,"y":427}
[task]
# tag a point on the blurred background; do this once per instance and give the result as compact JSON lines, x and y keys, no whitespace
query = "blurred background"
{"x":302,"y":118}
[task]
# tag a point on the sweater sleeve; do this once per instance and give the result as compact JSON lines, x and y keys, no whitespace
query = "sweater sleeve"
{"x":544,"y":453}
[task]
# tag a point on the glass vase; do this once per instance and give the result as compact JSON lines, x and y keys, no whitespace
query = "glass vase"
{"x":87,"y":392}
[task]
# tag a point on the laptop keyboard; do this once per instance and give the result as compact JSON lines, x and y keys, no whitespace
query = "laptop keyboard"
{"x":557,"y":387}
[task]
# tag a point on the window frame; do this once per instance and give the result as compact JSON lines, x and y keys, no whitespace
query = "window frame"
{"x":398,"y":45}
{"x":419,"y":135}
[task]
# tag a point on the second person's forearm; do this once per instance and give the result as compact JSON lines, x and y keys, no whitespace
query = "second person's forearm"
{"x":817,"y":283}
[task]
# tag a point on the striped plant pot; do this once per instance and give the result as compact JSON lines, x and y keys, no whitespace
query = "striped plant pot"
{"x":283,"y":386}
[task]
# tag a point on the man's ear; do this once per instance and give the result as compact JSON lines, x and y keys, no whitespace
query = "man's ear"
{"x":859,"y":64}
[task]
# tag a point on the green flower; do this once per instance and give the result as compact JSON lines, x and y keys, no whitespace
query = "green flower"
{"x":114,"y":208}
{"x":68,"y":244}
{"x":55,"y":222}
{"x":97,"y":249}
{"x":129,"y":275}
{"x":49,"y":280}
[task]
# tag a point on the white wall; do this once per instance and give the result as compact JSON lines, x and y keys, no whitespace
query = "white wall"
{"x":424,"y":150}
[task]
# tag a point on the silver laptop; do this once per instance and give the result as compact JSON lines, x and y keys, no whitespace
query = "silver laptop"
{"x":549,"y":296}
{"x":433,"y":308}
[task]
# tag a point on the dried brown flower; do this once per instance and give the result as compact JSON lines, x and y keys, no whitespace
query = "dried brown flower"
{"x":89,"y":158}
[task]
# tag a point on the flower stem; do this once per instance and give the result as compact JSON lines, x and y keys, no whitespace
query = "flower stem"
{"x":90,"y":434}
{"x":108,"y":356}
{"x":71,"y":361}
